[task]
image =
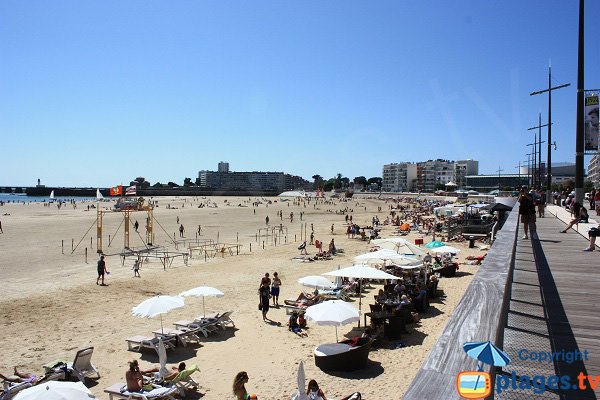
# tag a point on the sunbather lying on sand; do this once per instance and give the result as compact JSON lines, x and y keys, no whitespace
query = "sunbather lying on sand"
{"x":22,"y":377}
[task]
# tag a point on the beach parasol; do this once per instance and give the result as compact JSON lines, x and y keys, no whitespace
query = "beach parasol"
{"x":361,"y":272}
{"x":300,"y":380}
{"x":203,"y":291}
{"x":157,"y":305}
{"x":162,"y":358}
{"x":399,"y":245}
{"x":332,"y":312}
{"x":446,"y":249}
{"x":317,"y":282}
{"x":434,"y":244}
{"x":383,"y":255}
{"x":54,"y":390}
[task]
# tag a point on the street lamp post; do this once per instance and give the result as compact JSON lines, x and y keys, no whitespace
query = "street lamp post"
{"x":549,"y":125}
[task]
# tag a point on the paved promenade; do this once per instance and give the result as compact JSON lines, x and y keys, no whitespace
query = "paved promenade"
{"x":554,"y":306}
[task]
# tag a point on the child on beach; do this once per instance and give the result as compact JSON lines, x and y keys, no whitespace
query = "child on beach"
{"x":293,"y":325}
{"x":136,"y":268}
{"x":239,"y":388}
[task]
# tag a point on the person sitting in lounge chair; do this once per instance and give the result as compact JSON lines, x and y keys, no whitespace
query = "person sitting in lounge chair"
{"x":135,"y":376}
{"x":23,"y":377}
{"x":304,"y":299}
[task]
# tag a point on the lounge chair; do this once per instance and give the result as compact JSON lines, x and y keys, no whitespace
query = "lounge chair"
{"x":184,"y":380}
{"x":10,"y":389}
{"x":119,"y":391}
{"x":137,"y":343}
{"x":82,"y":366}
{"x":202,"y":325}
{"x":183,"y":335}
{"x":224,"y":320}
{"x":342,"y":356}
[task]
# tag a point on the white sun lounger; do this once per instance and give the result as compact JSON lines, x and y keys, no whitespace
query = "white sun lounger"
{"x":137,"y":343}
{"x":119,"y":391}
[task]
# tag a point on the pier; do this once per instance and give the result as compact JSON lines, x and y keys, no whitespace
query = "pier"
{"x":530,"y":296}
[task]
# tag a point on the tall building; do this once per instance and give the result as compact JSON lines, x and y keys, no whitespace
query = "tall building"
{"x":432,"y":173}
{"x":594,"y":171}
{"x":399,"y":177}
{"x":223,"y":167}
{"x":462,"y":168}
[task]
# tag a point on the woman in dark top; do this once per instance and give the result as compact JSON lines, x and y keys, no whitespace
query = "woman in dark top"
{"x":526,"y":211}
{"x":264,"y":294}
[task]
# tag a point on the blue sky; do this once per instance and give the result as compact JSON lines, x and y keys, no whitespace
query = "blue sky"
{"x":96,"y":93}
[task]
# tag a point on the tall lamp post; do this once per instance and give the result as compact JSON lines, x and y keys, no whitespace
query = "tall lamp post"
{"x":539,"y":149}
{"x":579,"y":148}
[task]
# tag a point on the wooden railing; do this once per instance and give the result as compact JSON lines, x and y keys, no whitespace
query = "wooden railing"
{"x":480,"y":316}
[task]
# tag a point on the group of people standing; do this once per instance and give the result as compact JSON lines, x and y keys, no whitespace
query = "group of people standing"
{"x":269,"y":289}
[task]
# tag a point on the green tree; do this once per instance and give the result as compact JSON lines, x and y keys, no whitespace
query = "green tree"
{"x":187,"y":182}
{"x":318,"y":181}
{"x":360,"y":180}
{"x":172,"y":184}
{"x":376,"y":180}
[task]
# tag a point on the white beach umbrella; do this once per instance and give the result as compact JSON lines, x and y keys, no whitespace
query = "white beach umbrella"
{"x":383,"y":255}
{"x":446,"y":249}
{"x":203,"y":291}
{"x":301,"y":381}
{"x":162,"y":358}
{"x":317,"y":282}
{"x":361,"y":272}
{"x":55,"y":390}
{"x":157,"y":305}
{"x":332,"y":312}
{"x":399,"y":245}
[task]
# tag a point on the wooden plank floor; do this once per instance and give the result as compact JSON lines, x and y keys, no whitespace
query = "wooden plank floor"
{"x":554,"y":306}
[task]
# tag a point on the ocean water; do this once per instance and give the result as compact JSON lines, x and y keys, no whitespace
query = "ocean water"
{"x":17,"y":198}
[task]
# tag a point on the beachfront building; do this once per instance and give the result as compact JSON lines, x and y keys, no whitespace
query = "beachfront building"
{"x":462,"y":168}
{"x":255,"y":180}
{"x":594,"y":171}
{"x":432,"y":174}
{"x":223,"y":167}
{"x":399,"y":177}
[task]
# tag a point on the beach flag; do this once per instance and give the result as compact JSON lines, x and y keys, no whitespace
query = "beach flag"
{"x":116,"y":191}
{"x":130,"y":191}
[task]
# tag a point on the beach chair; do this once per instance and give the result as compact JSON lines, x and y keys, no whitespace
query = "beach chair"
{"x":119,"y":391}
{"x":202,"y":325}
{"x":224,"y":320}
{"x":137,"y":343}
{"x":184,"y":380}
{"x":82,"y":366}
{"x":10,"y":389}
{"x":183,"y":335}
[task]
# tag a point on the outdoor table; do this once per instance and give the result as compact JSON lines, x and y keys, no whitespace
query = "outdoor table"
{"x":383,"y":315}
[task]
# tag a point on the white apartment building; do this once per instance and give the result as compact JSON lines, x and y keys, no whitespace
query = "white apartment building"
{"x":462,"y":168}
{"x":399,"y":177}
{"x":594,"y":171}
{"x":427,"y":175}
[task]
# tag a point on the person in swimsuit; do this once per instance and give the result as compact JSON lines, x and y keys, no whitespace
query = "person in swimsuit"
{"x":239,"y":388}
{"x":276,"y":283}
{"x":264,"y":294}
{"x":22,"y":377}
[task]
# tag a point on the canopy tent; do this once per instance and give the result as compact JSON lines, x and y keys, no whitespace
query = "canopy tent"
{"x":399,"y":245}
{"x":380,"y":256}
{"x":293,"y":193}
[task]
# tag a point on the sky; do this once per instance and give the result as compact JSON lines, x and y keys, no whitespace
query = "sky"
{"x":97,"y":93}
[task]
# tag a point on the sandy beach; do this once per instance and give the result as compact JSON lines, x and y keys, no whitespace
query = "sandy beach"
{"x":51,"y":305}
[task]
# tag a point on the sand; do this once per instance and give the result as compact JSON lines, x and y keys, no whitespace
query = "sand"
{"x":51,"y":305}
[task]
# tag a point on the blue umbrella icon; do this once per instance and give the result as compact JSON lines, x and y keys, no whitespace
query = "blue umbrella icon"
{"x":486,"y":353}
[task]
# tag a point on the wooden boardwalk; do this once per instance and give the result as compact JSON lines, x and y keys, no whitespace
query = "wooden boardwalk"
{"x":554,"y":307}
